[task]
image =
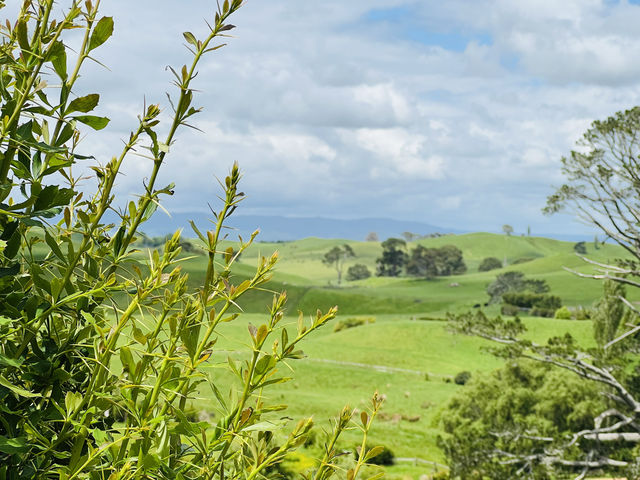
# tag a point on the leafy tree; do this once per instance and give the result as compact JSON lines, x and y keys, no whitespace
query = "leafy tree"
{"x":609,"y":312}
{"x":580,"y":248}
{"x":602,"y":188}
{"x":372,"y":237}
{"x":358,"y":272}
{"x":603,"y":179}
{"x":101,"y":349}
{"x":514,"y":281}
{"x":507,"y":229}
{"x":423,"y":262}
{"x":519,"y":410}
{"x":432,"y":262}
{"x":393,"y":259}
{"x":336,"y":257}
{"x":451,"y":261}
{"x":489,"y":263}
{"x":410,"y":236}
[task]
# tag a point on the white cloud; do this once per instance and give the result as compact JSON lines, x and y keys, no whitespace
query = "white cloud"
{"x":332,"y":113}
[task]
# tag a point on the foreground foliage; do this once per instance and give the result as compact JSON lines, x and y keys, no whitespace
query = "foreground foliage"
{"x":103,"y":349}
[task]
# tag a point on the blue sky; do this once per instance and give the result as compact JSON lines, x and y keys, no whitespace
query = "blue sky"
{"x":452,"y":113}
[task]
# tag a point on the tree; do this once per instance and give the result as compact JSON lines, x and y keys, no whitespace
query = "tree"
{"x":451,"y":261}
{"x":608,"y":313}
{"x":372,"y":237}
{"x":423,"y":262}
{"x":507,"y":229}
{"x":358,"y":272}
{"x":580,"y":248}
{"x":432,"y":262}
{"x":489,"y":263}
{"x":603,"y":179}
{"x":103,"y":350}
{"x":336,"y":257}
{"x":514,"y":282}
{"x":602,"y":189}
{"x":410,"y":236}
{"x":518,"y":410}
{"x":393,"y":259}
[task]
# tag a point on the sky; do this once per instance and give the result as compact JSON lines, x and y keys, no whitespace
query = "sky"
{"x":451,"y":113}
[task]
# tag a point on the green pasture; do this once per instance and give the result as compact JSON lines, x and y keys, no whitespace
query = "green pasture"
{"x":410,"y":362}
{"x":312,"y":284}
{"x":408,"y":355}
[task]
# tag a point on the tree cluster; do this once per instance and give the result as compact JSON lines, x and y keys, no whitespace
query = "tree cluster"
{"x":514,"y":282}
{"x":420,"y":262}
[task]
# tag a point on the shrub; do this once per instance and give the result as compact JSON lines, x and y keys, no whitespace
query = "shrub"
{"x":550,"y":302}
{"x":542,"y":312}
{"x":563,"y":313}
{"x":509,"y":310}
{"x":352,"y":323}
{"x":489,"y":263}
{"x":580,"y":248}
{"x":520,"y":260}
{"x":582,"y":313}
{"x":462,"y":378}
{"x":89,"y":327}
{"x":358,"y":272}
{"x":522,"y":299}
{"x":514,"y":281}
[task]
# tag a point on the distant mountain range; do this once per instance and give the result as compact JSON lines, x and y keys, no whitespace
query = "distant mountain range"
{"x":274,"y":228}
{"x":277,"y":228}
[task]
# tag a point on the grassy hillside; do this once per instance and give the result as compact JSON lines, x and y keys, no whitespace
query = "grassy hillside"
{"x":407,"y":354}
{"x":312,"y":284}
{"x":410,"y":362}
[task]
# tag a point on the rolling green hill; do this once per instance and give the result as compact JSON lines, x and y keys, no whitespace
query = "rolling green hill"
{"x":407,"y":354}
{"x":312,"y":284}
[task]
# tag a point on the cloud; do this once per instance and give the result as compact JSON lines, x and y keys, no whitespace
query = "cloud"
{"x":454,"y":113}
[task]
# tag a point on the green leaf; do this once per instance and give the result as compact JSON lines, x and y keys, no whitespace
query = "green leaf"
{"x":97,"y":123}
{"x":374,"y":452}
{"x":139,"y":336}
{"x":71,"y":401}
{"x":13,"y":445}
{"x":101,"y":33}
{"x":126,"y":357}
{"x":189,"y":37}
{"x":58,"y":57}
{"x":265,"y":426}
{"x":265,"y":364}
{"x":53,"y":245}
{"x":17,"y":390}
{"x":11,"y":271}
{"x":22,"y":34}
{"x":84,"y":104}
{"x":9,"y":362}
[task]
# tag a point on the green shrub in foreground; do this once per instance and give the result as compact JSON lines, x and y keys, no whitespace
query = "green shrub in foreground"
{"x":101,"y":353}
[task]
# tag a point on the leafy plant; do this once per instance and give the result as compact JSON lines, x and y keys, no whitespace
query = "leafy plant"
{"x":489,"y":263}
{"x":103,"y":348}
{"x":358,"y":272}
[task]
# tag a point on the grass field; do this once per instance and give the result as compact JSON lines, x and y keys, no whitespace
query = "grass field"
{"x":407,"y":354}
